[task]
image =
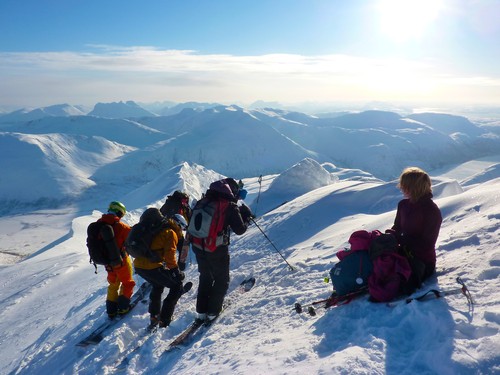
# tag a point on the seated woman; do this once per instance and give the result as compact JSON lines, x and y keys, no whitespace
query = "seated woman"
{"x":417,"y":224}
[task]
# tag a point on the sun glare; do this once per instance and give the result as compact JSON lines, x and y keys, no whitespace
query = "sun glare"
{"x":402,"y":20}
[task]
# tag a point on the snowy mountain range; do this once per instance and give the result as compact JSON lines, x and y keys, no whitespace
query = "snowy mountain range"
{"x":312,"y":180}
{"x":228,"y":139}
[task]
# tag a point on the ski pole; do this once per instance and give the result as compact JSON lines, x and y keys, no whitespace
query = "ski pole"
{"x":446,"y":292}
{"x":465,"y":291}
{"x":310,"y":307}
{"x":333,"y":300}
{"x":258,"y":195}
{"x":271,"y":242}
{"x":435,"y":293}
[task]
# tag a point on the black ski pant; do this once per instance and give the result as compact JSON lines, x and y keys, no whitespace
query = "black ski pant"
{"x":214,"y":279}
{"x":420,"y":271}
{"x":161,"y":278}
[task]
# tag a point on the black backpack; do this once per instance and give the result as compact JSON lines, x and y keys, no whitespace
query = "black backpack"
{"x":102,"y":245}
{"x":138,"y":242}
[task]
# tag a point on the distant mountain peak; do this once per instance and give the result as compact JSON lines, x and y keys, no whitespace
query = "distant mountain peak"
{"x":302,"y":177}
{"x":121,"y":110}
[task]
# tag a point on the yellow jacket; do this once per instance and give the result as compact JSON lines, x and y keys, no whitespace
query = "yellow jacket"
{"x":165,"y":245}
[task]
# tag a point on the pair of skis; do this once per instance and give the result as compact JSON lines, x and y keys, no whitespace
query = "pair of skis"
{"x":97,"y":335}
{"x":194,"y":329}
{"x":187,"y":335}
{"x":335,"y":300}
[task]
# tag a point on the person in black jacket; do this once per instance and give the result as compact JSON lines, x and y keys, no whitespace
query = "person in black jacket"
{"x":213,"y":265}
{"x":178,"y":203}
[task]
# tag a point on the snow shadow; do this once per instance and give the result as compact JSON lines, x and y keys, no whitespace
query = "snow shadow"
{"x":413,"y":338}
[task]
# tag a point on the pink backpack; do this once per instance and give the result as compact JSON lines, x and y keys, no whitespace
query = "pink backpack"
{"x":390,"y":269}
{"x":359,"y":240}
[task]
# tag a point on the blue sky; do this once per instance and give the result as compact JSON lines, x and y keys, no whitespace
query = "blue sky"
{"x":83,"y":52}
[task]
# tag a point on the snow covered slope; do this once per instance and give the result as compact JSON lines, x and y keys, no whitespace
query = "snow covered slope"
{"x":52,"y":299}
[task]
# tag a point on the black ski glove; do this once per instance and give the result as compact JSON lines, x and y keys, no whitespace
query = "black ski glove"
{"x":182,"y":265}
{"x":246,"y":213}
{"x":177,"y":275}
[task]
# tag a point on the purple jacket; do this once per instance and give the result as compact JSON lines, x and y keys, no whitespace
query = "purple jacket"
{"x":417,"y":227}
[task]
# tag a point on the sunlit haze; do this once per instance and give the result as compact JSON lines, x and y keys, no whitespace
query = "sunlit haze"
{"x":423,"y":52}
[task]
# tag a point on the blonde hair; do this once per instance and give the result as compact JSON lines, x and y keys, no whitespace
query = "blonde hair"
{"x":415,"y":183}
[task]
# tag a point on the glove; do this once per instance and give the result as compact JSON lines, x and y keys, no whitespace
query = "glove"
{"x":182,"y":265}
{"x":246,"y":214}
{"x":242,"y":194}
{"x":183,"y":255}
{"x":177,"y":275}
{"x":390,"y":231}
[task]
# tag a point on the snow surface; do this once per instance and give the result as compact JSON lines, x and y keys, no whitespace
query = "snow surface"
{"x":50,"y":297}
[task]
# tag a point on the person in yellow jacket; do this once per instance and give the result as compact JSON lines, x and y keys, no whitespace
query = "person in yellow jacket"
{"x":161,"y":268}
{"x":120,"y":277}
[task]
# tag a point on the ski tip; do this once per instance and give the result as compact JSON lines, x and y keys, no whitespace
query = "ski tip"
{"x":151,"y":329}
{"x":86,"y":343}
{"x":171,"y":349}
{"x":248,"y":283}
{"x":93,"y":341}
{"x":122,"y":365}
{"x":187,"y":287}
{"x":97,"y":339}
{"x":298,"y":308}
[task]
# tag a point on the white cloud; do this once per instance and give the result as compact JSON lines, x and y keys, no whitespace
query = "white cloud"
{"x":147,"y":73}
